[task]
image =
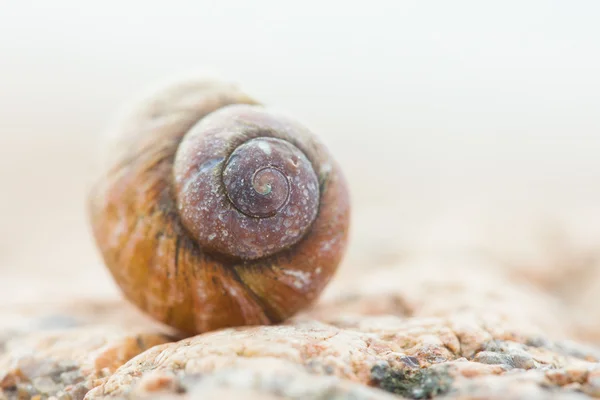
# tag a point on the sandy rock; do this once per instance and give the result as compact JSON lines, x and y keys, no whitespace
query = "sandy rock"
{"x":408,"y":358}
{"x":253,"y":378}
{"x":434,"y":328}
{"x":65,"y":351}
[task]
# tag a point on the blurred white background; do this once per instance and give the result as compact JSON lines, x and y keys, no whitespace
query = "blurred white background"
{"x":460,"y":125}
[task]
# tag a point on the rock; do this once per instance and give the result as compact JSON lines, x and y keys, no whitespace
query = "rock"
{"x":258,"y":379}
{"x":67,"y":363}
{"x":489,"y":357}
{"x":375,"y":359}
{"x":418,"y":330}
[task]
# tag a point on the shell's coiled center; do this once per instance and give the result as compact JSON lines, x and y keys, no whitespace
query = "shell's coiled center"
{"x":252,"y":199}
{"x":259,"y":191}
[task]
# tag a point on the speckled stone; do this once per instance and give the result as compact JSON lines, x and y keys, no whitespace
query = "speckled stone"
{"x":418,"y":330}
{"x":67,"y":363}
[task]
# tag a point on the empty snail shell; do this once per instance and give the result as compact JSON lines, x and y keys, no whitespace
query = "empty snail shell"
{"x":214,"y":211}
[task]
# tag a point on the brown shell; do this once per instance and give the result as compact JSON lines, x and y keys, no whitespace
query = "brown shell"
{"x":147,"y":219}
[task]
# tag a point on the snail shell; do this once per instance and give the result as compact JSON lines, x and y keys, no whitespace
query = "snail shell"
{"x":214,"y":211}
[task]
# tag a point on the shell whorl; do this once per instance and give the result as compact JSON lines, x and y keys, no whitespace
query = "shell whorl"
{"x":253,"y":201}
{"x":215,"y":211}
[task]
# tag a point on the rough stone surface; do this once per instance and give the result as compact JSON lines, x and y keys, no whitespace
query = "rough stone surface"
{"x":438,"y":328}
{"x":64,"y":351}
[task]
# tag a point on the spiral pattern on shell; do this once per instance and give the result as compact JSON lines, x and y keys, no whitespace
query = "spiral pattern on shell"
{"x":215,"y":211}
